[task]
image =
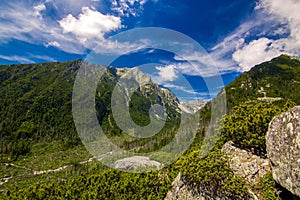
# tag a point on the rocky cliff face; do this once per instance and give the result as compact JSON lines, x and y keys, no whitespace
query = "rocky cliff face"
{"x":147,"y":87}
{"x":283,"y":149}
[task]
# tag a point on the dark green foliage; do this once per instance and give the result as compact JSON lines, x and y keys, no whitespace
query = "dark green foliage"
{"x":213,"y":175}
{"x":142,"y":104}
{"x":278,"y":78}
{"x":107,"y":184}
{"x":248,"y":125}
{"x":36,"y":105}
{"x":35,"y":109}
{"x":268,"y":187}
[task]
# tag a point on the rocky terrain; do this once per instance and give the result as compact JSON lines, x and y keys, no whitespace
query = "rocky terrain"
{"x":283,"y":147}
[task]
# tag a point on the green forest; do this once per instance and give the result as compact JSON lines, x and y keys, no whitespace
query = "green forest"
{"x":37,"y":134}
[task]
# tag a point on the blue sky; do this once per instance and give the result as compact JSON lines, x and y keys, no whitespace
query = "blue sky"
{"x":235,"y":34}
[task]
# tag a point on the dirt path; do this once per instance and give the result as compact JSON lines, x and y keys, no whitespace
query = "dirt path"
{"x":5,"y":180}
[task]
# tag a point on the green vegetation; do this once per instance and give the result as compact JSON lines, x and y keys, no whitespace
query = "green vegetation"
{"x":36,"y":106}
{"x":37,"y":133}
{"x":276,"y":78}
{"x":248,"y":124}
{"x":106,"y":184}
{"x":268,"y":187}
{"x":212,"y":174}
{"x":246,"y":127}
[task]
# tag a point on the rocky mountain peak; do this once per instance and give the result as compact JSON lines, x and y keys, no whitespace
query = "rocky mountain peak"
{"x":134,"y":73}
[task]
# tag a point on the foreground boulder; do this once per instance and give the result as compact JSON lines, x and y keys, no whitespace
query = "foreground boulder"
{"x":181,"y":191}
{"x":245,"y":164}
{"x":283,"y":149}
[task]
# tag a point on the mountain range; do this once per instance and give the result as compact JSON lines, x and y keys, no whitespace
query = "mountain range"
{"x":42,"y":156}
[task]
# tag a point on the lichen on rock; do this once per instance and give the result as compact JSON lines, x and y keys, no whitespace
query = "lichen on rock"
{"x":283,"y":149}
{"x":245,"y":164}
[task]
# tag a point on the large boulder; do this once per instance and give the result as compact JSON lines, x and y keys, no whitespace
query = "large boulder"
{"x":181,"y":191}
{"x":283,"y":149}
{"x":135,"y":162}
{"x":245,"y":164}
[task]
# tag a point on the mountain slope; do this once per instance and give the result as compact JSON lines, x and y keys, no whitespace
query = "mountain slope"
{"x":253,"y":99}
{"x":270,"y":81}
{"x":36,"y":105}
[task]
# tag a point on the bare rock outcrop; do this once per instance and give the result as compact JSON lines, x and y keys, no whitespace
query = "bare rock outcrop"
{"x":245,"y":164}
{"x":181,"y":191}
{"x":283,"y":149}
{"x":134,"y":162}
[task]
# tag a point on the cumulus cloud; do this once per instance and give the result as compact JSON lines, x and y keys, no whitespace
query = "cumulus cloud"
{"x":284,"y":13}
{"x":90,"y":24}
{"x":272,"y":29}
{"x":22,"y":22}
{"x":255,"y":52}
{"x":165,"y":74}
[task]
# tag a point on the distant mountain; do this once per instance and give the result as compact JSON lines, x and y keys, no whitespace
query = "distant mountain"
{"x":191,"y":106}
{"x":36,"y":104}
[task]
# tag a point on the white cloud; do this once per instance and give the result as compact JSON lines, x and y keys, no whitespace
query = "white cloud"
{"x":255,"y":52}
{"x":165,"y":74}
{"x":27,"y":58}
{"x":284,"y":12}
{"x":279,"y":18}
{"x":54,"y":44}
{"x":90,"y":24}
{"x":128,"y":7}
{"x":38,"y":8}
{"x":20,"y":59}
{"x":72,"y":33}
{"x":18,"y":22}
{"x":182,"y":88}
{"x":201,"y":64}
{"x":64,"y":7}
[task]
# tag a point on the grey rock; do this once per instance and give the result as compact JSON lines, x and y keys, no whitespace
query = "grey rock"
{"x":245,"y":164}
{"x":191,"y":106}
{"x":134,"y":162}
{"x":181,"y":191}
{"x":283,"y":149}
